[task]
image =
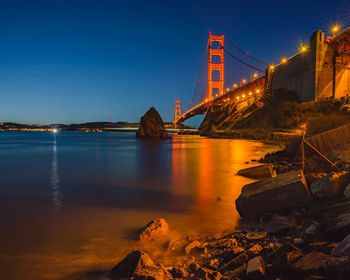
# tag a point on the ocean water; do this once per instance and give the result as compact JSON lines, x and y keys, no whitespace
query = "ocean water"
{"x":71,"y":202}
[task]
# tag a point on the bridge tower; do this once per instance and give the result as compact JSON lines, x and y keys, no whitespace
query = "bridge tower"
{"x":177,"y":111}
{"x":216,"y":64}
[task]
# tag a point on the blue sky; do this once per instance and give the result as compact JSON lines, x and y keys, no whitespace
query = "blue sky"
{"x":75,"y":61}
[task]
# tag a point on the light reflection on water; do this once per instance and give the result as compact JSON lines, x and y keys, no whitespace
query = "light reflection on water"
{"x":112,"y":184}
{"x":55,"y":181}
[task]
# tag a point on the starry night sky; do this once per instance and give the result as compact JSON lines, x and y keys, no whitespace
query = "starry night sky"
{"x":80,"y":60}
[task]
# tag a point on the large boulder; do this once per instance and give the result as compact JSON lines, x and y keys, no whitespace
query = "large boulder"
{"x":287,"y":190}
{"x":311,"y":263}
{"x":339,"y":227}
{"x":154,"y":230}
{"x":139,"y":265}
{"x":152,"y":126}
{"x":280,"y":224}
{"x":343,"y":248}
{"x":261,"y":171}
{"x":331,"y":185}
{"x":234,"y":263}
{"x":256,"y":268}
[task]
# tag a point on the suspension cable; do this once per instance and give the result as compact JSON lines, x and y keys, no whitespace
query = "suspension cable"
{"x":242,"y":51}
{"x":241,"y":61}
{"x":200,"y":73}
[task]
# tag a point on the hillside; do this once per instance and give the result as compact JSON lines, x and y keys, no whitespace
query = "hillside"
{"x":280,"y":112}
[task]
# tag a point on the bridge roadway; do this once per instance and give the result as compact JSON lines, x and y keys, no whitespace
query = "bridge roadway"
{"x":254,"y":87}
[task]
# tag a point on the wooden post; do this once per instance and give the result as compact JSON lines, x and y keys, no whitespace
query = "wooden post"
{"x":303,"y":150}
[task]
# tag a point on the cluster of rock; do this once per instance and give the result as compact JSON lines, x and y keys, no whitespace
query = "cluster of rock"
{"x":302,"y":245}
{"x":294,"y":226}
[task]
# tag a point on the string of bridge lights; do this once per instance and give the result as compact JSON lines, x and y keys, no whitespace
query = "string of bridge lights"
{"x":302,"y":49}
{"x":335,"y":29}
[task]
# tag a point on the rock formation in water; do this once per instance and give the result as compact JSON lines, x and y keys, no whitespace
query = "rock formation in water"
{"x":152,"y":126}
{"x":154,"y":230}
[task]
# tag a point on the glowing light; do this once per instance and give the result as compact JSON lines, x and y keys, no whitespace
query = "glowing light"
{"x":243,"y":81}
{"x":237,"y":97}
{"x":228,"y":99}
{"x":335,"y":29}
{"x":227,"y":89}
{"x":216,"y":95}
{"x":235,"y":85}
{"x":303,"y":49}
{"x":250,"y":93}
{"x":255,"y":75}
{"x":284,"y":60}
{"x":272,"y":67}
{"x":55,"y":130}
{"x":243,"y":96}
{"x":258,"y":90}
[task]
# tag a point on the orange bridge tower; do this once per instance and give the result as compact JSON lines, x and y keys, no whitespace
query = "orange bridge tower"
{"x":216,"y":66}
{"x":177,"y":111}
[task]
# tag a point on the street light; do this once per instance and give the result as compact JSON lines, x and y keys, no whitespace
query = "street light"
{"x":303,"y":49}
{"x":335,"y":29}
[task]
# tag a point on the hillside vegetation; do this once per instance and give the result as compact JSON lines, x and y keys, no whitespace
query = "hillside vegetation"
{"x":280,"y":111}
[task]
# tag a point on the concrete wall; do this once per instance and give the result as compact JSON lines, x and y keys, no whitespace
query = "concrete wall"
{"x":311,"y":74}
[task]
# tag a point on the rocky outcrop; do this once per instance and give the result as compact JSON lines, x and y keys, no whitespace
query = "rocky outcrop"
{"x":339,"y":226}
{"x":261,"y":171}
{"x":225,"y":117}
{"x":152,"y":126}
{"x":343,"y":248}
{"x":331,"y":185}
{"x":311,"y":263}
{"x":156,"y":229}
{"x":256,"y":268}
{"x":139,"y":265}
{"x":283,"y":191}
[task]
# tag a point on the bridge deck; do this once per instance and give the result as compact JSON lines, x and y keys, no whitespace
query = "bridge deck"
{"x":252,"y":88}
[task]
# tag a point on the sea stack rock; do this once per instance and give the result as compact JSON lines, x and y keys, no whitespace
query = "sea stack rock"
{"x":152,"y":126}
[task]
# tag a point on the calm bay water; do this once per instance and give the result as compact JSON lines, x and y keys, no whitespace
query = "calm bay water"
{"x":72,"y":203}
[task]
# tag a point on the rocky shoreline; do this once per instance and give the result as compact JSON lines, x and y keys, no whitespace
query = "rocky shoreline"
{"x":305,"y":244}
{"x":310,"y":240}
{"x":295,"y":225}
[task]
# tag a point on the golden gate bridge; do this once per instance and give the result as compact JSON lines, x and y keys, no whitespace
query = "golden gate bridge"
{"x":228,"y":74}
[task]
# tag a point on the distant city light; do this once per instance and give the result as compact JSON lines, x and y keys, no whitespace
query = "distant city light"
{"x":55,"y":130}
{"x":227,"y":89}
{"x":284,"y":60}
{"x":235,"y":85}
{"x":243,"y":81}
{"x":237,"y":97}
{"x":250,"y":93}
{"x":255,"y":75}
{"x":243,"y":96}
{"x":258,"y":90}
